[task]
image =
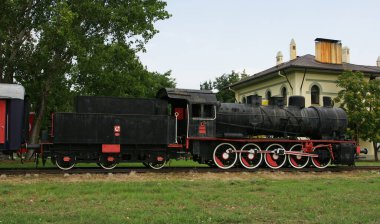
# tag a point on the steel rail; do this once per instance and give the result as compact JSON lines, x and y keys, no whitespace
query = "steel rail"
{"x":90,"y":170}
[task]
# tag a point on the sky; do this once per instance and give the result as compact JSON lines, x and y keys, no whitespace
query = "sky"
{"x":205,"y":39}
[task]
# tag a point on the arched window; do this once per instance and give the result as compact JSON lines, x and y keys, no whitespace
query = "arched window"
{"x":244,"y":100}
{"x":268,"y":95}
{"x":284,"y":93}
{"x":315,"y":94}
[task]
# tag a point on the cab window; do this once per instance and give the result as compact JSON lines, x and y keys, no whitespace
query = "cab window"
{"x":196,"y":110}
{"x":203,"y":111}
{"x":208,"y":111}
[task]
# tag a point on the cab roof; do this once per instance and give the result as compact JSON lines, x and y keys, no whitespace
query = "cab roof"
{"x":190,"y":95}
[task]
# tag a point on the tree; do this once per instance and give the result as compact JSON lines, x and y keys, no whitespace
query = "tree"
{"x":90,"y":46}
{"x":206,"y":85}
{"x":361,"y":100}
{"x":221,"y":84}
{"x":108,"y":73}
{"x":18,"y":20}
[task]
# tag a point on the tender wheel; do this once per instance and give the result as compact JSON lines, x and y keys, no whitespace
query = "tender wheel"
{"x":324,"y":158}
{"x":276,"y":157}
{"x":64,"y":162}
{"x":107,"y":162}
{"x":225,"y":156}
{"x":156,"y":165}
{"x":252,"y":158}
{"x":296,"y":161}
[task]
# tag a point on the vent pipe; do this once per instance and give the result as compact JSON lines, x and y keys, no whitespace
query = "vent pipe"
{"x":293,"y":49}
{"x":346,"y":54}
{"x":279,"y":58}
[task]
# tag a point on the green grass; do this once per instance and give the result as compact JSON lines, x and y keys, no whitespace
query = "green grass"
{"x":368,"y":163}
{"x":192,"y":198}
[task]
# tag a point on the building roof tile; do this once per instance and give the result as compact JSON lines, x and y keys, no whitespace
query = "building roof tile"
{"x":308,"y":62}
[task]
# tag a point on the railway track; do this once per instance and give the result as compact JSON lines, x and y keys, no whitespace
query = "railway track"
{"x":92,"y":170}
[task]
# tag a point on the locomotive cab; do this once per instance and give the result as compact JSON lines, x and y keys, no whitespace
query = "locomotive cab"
{"x":195,"y":111}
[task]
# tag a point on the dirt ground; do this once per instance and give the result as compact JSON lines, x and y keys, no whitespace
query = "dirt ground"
{"x":187,"y":176}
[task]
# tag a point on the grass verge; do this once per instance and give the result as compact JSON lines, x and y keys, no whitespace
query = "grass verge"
{"x":259,"y":197}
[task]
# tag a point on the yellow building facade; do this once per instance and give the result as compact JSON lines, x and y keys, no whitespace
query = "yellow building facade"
{"x":308,"y":76}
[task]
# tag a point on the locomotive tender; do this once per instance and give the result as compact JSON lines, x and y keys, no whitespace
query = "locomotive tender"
{"x":178,"y":122}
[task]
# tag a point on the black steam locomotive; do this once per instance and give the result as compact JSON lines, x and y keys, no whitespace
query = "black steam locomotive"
{"x":109,"y":130}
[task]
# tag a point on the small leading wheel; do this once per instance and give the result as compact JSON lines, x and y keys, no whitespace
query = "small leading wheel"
{"x":252,"y":158}
{"x":64,"y":162}
{"x":275,"y":158}
{"x":324,"y":158}
{"x":107,"y":162}
{"x":225,"y":156}
{"x":298,"y":161}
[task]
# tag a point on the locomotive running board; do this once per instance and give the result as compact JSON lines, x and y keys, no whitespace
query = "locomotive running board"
{"x":300,"y":154}
{"x":272,"y":152}
{"x":175,"y":146}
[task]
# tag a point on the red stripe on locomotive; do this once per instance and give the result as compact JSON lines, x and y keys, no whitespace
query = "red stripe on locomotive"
{"x":110,"y":148}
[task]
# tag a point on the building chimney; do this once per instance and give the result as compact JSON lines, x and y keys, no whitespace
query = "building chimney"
{"x":293,"y":49}
{"x":378,"y":62}
{"x":328,"y":51}
{"x":279,"y":58}
{"x":346,"y":54}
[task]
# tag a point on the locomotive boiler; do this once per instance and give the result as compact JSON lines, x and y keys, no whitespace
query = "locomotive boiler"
{"x":277,"y":120}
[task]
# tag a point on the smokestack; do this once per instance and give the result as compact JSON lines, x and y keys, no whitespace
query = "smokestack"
{"x":346,"y":54}
{"x":378,"y":62}
{"x":328,"y":51}
{"x":293,"y":49}
{"x":279,"y":58}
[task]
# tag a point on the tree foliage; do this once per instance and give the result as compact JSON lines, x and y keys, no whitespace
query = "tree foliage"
{"x":60,"y":48}
{"x":361,"y":100}
{"x":221,"y":84}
